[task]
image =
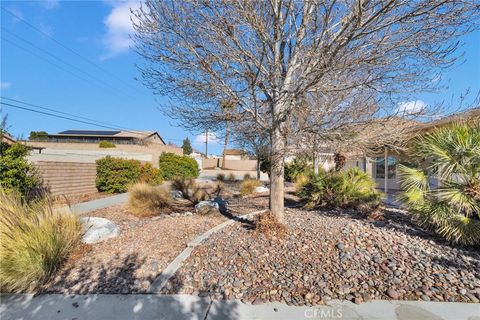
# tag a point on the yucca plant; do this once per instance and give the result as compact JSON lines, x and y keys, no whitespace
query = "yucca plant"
{"x":450,"y":155}
{"x":35,"y":241}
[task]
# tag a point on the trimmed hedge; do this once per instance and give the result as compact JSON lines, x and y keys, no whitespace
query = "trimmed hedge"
{"x":106,"y":144}
{"x":115,"y":175}
{"x":174,"y":166}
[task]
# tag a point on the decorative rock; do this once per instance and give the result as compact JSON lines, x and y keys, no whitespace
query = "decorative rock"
{"x":392,"y":293}
{"x":207,"y":207}
{"x":176,"y":194}
{"x":97,"y":229}
{"x":261,"y":189}
{"x":340,"y":246}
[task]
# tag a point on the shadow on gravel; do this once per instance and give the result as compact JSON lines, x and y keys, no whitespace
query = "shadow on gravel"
{"x":398,"y":220}
{"x":116,"y":276}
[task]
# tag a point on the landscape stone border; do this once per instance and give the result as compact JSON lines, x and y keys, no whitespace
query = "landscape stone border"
{"x":160,"y":282}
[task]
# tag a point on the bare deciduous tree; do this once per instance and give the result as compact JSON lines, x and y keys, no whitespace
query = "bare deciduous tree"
{"x":268,"y":56}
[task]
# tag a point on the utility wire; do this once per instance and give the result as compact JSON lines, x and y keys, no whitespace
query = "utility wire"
{"x":72,"y":117}
{"x":44,"y":59}
{"x":61,"y":112}
{"x":66,"y":47}
{"x":58,"y":59}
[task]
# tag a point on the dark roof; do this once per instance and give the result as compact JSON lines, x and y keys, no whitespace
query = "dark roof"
{"x":234,"y":152}
{"x":90,"y":132}
{"x":108,"y":134}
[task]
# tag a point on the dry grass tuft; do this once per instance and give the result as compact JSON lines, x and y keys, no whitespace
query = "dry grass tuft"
{"x":145,"y":200}
{"x":248,"y":186}
{"x":267,"y":224}
{"x":231,"y":177}
{"x":190,"y":190}
{"x":35,"y":242}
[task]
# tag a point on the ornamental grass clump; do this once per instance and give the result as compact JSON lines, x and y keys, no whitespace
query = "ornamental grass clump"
{"x":145,"y":200}
{"x":35,"y":241}
{"x":451,"y":156}
{"x":248,"y":186}
{"x":345,"y":189}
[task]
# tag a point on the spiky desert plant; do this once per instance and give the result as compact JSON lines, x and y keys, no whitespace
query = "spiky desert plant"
{"x":451,"y":155}
{"x":35,"y":241}
{"x":352,"y":188}
{"x":190,"y":190}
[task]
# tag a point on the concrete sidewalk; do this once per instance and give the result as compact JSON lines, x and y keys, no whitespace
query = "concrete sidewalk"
{"x":105,"y":306}
{"x":97,"y":204}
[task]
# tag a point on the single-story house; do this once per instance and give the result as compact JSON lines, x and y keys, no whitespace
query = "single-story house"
{"x":114,"y":136}
{"x":235,"y":154}
{"x":382,"y":165}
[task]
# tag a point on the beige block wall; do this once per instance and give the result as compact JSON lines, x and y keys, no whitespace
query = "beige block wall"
{"x":68,"y":178}
{"x":237,"y":165}
{"x":154,"y":149}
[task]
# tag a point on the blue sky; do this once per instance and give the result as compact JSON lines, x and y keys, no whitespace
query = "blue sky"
{"x":98,"y":31}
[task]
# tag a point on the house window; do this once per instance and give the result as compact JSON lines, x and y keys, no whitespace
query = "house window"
{"x":392,"y":165}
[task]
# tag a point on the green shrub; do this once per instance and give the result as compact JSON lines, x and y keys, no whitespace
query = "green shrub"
{"x":452,"y":156}
{"x":231,"y":177}
{"x":145,"y":200}
{"x":115,"y":175}
{"x":16,"y":173}
{"x":248,"y":186}
{"x":247,"y":176}
{"x":220,"y":177}
{"x":106,"y":144}
{"x":150,"y":175}
{"x":174,"y":166}
{"x":36,"y":240}
{"x":348,"y":189}
{"x":299,"y":165}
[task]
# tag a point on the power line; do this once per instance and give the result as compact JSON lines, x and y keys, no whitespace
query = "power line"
{"x":66,"y":47}
{"x":72,"y":117}
{"x":58,"y":59}
{"x":44,"y":59}
{"x":61,"y":112}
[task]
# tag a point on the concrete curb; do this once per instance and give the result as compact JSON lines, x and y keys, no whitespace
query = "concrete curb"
{"x":176,"y":307}
{"x":159,"y":283}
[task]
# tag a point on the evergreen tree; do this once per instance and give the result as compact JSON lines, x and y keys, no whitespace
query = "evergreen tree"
{"x":186,"y":146}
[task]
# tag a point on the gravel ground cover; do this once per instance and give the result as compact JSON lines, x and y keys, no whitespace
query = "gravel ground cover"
{"x":129,"y":262}
{"x":331,"y":255}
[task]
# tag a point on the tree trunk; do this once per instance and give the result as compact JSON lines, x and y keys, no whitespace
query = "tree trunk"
{"x":226,"y":144}
{"x":315,"y":163}
{"x":258,"y":168}
{"x":277,"y":175}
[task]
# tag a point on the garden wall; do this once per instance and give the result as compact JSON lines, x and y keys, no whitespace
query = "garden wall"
{"x":68,"y":178}
{"x":237,"y":165}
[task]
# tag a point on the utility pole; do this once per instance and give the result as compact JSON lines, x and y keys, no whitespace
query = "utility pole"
{"x":206,"y":143}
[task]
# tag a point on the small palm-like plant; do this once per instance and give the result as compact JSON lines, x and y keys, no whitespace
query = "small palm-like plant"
{"x":451,"y":155}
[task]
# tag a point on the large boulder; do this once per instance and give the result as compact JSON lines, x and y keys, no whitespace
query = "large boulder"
{"x":207,"y":207}
{"x":97,"y":229}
